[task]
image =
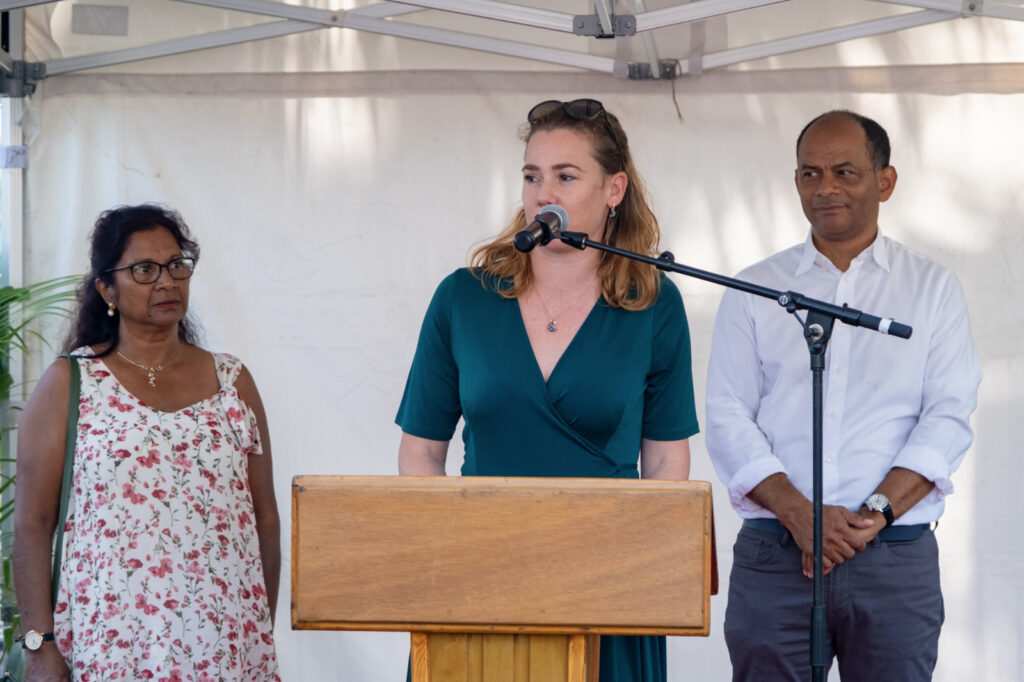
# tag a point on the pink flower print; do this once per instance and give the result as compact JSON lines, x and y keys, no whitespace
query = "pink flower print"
{"x":163,"y":569}
{"x":209,"y":476}
{"x":195,"y":569}
{"x":100,"y":373}
{"x":172,"y":604}
{"x":122,"y":454}
{"x":121,"y":407}
{"x":183,"y":461}
{"x":140,"y":603}
{"x":134,"y":564}
{"x":151,"y":460}
{"x":267,"y":639}
{"x":249,"y":628}
{"x":244,"y":519}
{"x":112,"y":633}
{"x":111,"y":611}
{"x":160,"y":494}
{"x":130,"y":494}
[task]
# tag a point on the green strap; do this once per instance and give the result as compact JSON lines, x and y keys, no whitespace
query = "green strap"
{"x":70,"y":440}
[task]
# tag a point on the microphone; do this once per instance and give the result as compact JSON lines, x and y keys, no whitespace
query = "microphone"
{"x":549,"y":222}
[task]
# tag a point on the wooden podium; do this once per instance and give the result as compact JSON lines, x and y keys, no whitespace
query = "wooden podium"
{"x":502,"y":579}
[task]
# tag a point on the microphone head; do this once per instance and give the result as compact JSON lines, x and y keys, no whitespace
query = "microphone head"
{"x":559,"y":215}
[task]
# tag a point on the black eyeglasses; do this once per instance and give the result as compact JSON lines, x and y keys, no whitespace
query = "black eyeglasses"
{"x":147,"y":271}
{"x":578,"y":109}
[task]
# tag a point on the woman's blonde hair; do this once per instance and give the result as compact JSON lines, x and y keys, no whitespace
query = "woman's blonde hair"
{"x":625,"y":283}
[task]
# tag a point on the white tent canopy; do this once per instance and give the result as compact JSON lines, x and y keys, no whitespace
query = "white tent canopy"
{"x":335,"y":162}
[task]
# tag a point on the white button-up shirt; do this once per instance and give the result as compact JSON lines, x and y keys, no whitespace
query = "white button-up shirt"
{"x":888,"y":402}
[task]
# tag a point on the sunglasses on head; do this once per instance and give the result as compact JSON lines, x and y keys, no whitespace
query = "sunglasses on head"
{"x":577,"y":109}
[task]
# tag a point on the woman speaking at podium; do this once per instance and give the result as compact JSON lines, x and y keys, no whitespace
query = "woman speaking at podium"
{"x":562,"y":362}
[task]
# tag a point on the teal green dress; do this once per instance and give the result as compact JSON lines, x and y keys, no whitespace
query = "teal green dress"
{"x":625,"y":376}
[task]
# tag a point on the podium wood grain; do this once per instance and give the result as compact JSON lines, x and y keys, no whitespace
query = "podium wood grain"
{"x":501,"y":555}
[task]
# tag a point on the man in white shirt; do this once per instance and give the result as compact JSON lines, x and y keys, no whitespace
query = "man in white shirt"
{"x":895,"y":428}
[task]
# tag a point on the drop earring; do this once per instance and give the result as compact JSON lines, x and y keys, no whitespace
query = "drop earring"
{"x":110,"y":309}
{"x":611,"y":213}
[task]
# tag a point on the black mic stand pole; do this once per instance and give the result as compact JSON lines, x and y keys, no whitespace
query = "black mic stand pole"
{"x":821,"y":317}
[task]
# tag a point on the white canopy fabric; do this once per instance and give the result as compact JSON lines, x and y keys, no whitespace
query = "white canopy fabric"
{"x":334,"y":177}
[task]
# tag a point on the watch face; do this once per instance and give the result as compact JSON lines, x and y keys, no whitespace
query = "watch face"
{"x":33,"y":640}
{"x":877,"y":502}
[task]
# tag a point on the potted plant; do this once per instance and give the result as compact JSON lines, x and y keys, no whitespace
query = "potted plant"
{"x":20,"y":308}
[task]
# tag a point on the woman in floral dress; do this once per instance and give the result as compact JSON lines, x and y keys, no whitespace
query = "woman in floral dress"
{"x":171,"y":557}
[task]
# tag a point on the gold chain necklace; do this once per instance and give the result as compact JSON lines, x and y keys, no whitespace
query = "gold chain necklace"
{"x":552,"y":325}
{"x":151,"y":372}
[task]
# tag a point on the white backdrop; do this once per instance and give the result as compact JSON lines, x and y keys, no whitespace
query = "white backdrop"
{"x":328,"y":206}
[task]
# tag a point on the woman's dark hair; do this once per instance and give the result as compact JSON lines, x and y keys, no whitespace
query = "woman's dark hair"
{"x":107,"y":244}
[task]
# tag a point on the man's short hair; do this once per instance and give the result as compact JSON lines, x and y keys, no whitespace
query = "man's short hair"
{"x":878,"y":139}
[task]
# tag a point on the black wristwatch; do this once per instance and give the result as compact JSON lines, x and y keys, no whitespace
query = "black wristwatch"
{"x":34,"y":639}
{"x":880,"y":503}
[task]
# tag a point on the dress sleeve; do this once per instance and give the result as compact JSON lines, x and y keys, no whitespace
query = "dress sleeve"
{"x":430,"y":406}
{"x":669,"y":410}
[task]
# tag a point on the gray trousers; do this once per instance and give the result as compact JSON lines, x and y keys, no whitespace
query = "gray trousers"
{"x":884,"y":610}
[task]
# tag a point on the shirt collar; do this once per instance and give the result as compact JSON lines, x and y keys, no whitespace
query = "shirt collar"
{"x":877,"y":251}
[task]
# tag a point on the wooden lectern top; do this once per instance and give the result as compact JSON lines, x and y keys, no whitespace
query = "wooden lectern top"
{"x":513,"y":555}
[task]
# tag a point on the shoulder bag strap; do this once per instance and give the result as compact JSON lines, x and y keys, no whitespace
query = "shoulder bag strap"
{"x":70,"y":442}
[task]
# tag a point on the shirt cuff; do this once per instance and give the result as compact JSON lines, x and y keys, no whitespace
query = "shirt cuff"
{"x":929,"y":463}
{"x":748,"y":478}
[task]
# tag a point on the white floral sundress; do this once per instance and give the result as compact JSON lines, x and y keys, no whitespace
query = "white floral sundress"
{"x":162,"y":578}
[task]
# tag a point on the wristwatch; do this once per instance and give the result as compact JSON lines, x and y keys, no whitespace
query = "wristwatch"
{"x":880,"y":503}
{"x":34,"y":639}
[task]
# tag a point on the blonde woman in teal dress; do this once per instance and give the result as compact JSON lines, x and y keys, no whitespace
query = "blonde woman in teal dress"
{"x":561,"y":362}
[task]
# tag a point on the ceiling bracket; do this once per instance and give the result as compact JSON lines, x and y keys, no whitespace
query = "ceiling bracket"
{"x":641,"y":71}
{"x":21,"y":79}
{"x":590,"y":25}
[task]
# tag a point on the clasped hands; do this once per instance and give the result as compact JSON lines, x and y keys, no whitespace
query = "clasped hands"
{"x":844,"y":533}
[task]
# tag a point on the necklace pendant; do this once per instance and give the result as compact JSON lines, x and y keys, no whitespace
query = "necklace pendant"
{"x":552,"y":326}
{"x":152,"y":377}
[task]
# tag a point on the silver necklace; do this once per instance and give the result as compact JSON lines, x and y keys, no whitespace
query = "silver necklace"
{"x":552,"y":325}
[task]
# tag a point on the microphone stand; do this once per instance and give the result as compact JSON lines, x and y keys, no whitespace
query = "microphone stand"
{"x":821,"y":317}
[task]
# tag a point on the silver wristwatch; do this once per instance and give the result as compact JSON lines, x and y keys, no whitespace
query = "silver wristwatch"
{"x":880,"y":503}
